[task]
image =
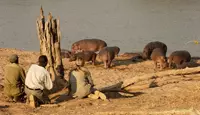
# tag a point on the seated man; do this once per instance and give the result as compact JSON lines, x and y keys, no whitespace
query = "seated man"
{"x":81,"y":84}
{"x":37,"y":79}
{"x":14,"y":80}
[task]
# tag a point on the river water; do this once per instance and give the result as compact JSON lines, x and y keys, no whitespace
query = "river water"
{"x":129,"y":24}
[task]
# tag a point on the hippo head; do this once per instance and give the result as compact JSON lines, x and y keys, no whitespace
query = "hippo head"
{"x":72,"y":57}
{"x":145,"y":54}
{"x":163,"y":62}
{"x":75,"y":47}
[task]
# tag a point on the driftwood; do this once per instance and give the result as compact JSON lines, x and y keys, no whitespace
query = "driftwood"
{"x":161,"y":78}
{"x":49,"y":36}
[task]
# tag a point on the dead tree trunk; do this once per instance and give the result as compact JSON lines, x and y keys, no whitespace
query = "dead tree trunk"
{"x":49,"y":36}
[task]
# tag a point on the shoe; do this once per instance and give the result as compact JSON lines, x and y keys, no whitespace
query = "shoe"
{"x":32,"y":102}
{"x":101,"y":95}
{"x":93,"y":96}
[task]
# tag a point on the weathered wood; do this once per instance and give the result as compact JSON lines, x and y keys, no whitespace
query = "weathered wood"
{"x":135,"y":79}
{"x":160,"y":81}
{"x":49,"y":36}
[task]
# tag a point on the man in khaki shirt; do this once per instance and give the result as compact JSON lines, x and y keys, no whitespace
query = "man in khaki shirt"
{"x":14,"y":80}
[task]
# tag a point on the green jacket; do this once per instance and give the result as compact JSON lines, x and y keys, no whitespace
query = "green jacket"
{"x":13,"y":80}
{"x":80,"y":82}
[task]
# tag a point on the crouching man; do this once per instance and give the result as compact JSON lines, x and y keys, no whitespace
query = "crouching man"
{"x":14,"y":80}
{"x":81,"y":84}
{"x":38,"y":79}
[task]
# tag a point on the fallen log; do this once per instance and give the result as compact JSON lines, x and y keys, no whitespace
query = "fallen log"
{"x":180,"y":72}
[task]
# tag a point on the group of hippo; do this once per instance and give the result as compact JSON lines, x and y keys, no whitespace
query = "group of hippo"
{"x":156,"y":51}
{"x":87,"y":49}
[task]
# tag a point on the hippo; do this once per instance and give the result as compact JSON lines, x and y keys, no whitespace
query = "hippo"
{"x":115,"y":49}
{"x":187,"y":64}
{"x":178,"y":57}
{"x":159,"y":58}
{"x":65,"y":53}
{"x":151,"y":46}
{"x":86,"y":55}
{"x":88,"y":45}
{"x":107,"y":54}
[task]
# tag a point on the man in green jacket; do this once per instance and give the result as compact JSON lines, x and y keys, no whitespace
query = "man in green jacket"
{"x":14,"y":80}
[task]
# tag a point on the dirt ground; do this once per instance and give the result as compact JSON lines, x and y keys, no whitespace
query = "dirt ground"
{"x":180,"y":98}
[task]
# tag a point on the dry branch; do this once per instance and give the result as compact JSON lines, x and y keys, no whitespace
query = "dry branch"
{"x":161,"y":78}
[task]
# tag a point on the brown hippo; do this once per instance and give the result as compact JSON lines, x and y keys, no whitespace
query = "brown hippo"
{"x":159,"y":58}
{"x":178,"y":57}
{"x":65,"y":53}
{"x":115,"y":49}
{"x":88,"y":45}
{"x":86,"y":55}
{"x":107,"y":54}
{"x":187,"y":64}
{"x":151,"y":46}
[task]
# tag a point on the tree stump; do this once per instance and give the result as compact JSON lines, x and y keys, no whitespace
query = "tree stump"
{"x":49,"y":36}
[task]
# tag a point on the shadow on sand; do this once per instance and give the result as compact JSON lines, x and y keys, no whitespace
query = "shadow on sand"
{"x":112,"y":92}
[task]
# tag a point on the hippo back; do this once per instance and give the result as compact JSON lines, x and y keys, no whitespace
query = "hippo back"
{"x":89,"y":45}
{"x":86,"y":55}
{"x":158,"y":52}
{"x":179,"y":57}
{"x":107,"y":53}
{"x":151,"y":46}
{"x":182,"y":54}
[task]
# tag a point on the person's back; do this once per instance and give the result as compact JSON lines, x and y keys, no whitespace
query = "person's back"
{"x":36,"y":76}
{"x":38,"y":79}
{"x":14,"y":79}
{"x":81,"y":82}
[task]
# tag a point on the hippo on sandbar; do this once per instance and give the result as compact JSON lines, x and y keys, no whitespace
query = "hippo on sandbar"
{"x":159,"y":58}
{"x":86,"y":55}
{"x":151,"y":46}
{"x":106,"y":55}
{"x":178,"y":57}
{"x":88,"y":45}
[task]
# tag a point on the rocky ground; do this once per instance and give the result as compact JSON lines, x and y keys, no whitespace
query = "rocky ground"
{"x":180,"y":98}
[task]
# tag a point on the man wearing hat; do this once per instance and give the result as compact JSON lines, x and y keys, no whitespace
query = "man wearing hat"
{"x":14,"y":80}
{"x":81,"y":84}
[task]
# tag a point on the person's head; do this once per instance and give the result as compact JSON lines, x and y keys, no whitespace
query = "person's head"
{"x":43,"y":60}
{"x":79,"y":61}
{"x":14,"y":58}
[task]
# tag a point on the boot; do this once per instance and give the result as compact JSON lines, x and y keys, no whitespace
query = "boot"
{"x":93,"y":96}
{"x":101,"y":95}
{"x":32,"y":101}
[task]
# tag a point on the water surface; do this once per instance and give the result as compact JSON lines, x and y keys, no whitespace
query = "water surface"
{"x":129,"y":24}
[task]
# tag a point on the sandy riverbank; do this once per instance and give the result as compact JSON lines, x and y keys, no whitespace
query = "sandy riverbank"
{"x":180,"y":97}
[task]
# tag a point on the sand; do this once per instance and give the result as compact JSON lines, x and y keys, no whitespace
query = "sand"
{"x":180,"y":98}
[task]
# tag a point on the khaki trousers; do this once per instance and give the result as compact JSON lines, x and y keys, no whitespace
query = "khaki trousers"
{"x":39,"y":94}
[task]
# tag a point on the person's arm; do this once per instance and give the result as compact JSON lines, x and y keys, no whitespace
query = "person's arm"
{"x":88,"y":75}
{"x":90,"y":78}
{"x":48,"y":83}
{"x":23,"y":75}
